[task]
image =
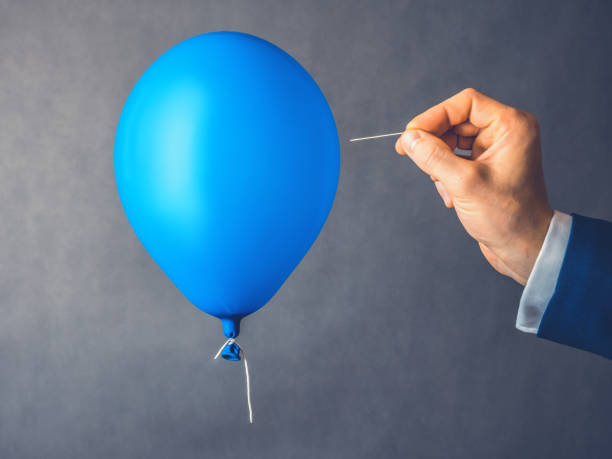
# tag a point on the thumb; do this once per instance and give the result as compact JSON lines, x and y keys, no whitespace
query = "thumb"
{"x":431,"y":154}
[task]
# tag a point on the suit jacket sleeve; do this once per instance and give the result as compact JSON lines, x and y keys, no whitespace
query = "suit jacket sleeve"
{"x":579,"y":313}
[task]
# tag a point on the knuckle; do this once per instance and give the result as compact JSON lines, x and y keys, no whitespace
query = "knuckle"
{"x":510,"y":116}
{"x":471,"y":92}
{"x":531,"y":122}
{"x":520,"y":120}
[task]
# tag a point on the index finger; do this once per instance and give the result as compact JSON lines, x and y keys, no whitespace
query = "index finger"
{"x":468,"y":105}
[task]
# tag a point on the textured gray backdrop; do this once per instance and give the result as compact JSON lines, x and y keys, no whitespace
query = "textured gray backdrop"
{"x":393,"y":338}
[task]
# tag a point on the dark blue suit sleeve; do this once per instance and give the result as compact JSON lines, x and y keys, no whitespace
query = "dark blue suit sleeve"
{"x":579,"y":313}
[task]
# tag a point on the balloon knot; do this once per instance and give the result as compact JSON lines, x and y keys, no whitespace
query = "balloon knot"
{"x":230,"y":350}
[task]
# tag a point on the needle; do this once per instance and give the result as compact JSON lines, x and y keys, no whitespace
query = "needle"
{"x":375,"y":136}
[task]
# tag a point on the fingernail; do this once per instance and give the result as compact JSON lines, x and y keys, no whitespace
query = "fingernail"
{"x":408,"y":140}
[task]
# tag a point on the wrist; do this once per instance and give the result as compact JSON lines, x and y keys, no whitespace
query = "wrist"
{"x":532,"y":241}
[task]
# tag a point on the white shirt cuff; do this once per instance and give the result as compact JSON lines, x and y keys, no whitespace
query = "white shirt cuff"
{"x":543,"y":278}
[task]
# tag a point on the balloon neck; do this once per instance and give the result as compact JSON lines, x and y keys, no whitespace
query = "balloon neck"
{"x":231,"y":326}
{"x":231,"y":329}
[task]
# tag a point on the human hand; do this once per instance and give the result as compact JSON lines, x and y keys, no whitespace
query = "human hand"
{"x":499,"y":193}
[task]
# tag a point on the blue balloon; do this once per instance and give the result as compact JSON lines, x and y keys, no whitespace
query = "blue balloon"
{"x":227,"y":163}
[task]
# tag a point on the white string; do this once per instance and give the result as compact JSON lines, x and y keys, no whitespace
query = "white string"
{"x":246,"y":372}
{"x":248,"y":385}
{"x":375,"y":136}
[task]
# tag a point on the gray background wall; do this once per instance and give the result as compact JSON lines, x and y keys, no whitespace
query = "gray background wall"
{"x":393,"y":338}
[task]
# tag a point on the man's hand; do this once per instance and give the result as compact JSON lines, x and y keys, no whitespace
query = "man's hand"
{"x":499,"y":194}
